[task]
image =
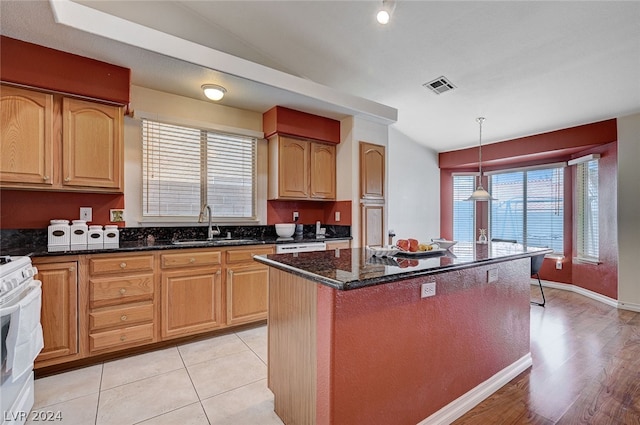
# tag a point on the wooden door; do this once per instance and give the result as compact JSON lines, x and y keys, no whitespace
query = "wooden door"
{"x":372,"y":231}
{"x":293,"y":168}
{"x":92,"y":144}
{"x":372,"y":171}
{"x":247,"y":293}
{"x":26,"y":134}
{"x":59,"y":314}
{"x":191,"y":301}
{"x":323,"y":171}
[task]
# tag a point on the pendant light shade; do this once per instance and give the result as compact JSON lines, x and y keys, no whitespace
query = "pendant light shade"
{"x":480,"y":194}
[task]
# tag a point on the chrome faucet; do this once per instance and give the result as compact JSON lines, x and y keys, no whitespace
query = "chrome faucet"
{"x":210,"y":232}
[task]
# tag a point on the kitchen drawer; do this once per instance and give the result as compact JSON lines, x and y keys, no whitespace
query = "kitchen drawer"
{"x":110,"y":291}
{"x":120,"y":338}
{"x":120,"y":316}
{"x":135,"y":263}
{"x":246,"y":254}
{"x":338,"y":245}
{"x":191,"y":259}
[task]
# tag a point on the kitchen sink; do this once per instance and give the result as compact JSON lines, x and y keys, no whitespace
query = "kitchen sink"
{"x":215,"y":242}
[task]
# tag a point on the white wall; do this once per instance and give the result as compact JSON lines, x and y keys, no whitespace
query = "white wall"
{"x":182,"y":110}
{"x":629,"y":211}
{"x":414,"y":189}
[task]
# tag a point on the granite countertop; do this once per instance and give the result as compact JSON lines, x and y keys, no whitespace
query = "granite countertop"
{"x":353,"y":268}
{"x":154,"y":245}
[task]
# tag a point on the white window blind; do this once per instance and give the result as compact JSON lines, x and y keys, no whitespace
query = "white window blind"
{"x":463,"y":211}
{"x":529,"y":207}
{"x":587,"y":206}
{"x":185,"y":168}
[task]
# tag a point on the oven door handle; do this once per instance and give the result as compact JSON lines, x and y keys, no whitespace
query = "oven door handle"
{"x":18,"y":301}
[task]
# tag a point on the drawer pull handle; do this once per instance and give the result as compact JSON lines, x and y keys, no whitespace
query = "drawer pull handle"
{"x":192,"y":260}
{"x":123,"y":265}
{"x":67,"y":179}
{"x":123,"y":338}
{"x":122,"y":291}
{"x":45,"y":178}
{"x":123,"y":317}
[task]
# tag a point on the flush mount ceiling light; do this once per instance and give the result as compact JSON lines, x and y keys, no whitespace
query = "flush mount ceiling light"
{"x":384,"y":14}
{"x":480,"y":194}
{"x":214,"y":92}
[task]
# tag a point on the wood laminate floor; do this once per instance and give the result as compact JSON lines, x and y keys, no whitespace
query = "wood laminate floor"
{"x":586,"y":368}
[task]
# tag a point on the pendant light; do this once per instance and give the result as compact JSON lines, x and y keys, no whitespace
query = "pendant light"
{"x":480,"y":194}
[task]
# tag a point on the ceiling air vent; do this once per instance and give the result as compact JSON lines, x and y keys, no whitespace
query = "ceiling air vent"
{"x":439,"y":85}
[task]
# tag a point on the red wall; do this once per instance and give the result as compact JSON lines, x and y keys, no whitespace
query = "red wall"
{"x":22,"y":209}
{"x":386,"y":356}
{"x":309,"y":212}
{"x":556,"y":146}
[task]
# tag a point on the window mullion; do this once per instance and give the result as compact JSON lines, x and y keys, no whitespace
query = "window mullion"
{"x":204,"y":183}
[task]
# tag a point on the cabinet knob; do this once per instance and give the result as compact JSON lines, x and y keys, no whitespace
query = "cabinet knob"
{"x":123,"y":317}
{"x":45,"y":178}
{"x":72,"y":269}
{"x":67,"y":179}
{"x":123,"y":265}
{"x":123,"y":338}
{"x":192,"y":260}
{"x":122,"y":291}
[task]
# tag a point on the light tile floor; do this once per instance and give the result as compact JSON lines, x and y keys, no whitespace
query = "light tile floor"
{"x":220,"y":380}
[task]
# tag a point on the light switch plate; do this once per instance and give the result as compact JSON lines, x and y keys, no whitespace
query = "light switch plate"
{"x":492,"y":275}
{"x":86,"y":213}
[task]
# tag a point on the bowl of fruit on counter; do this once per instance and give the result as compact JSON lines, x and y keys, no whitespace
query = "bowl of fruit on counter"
{"x":415,"y":248}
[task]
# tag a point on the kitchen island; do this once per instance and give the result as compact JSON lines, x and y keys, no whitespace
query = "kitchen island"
{"x":351,"y":340}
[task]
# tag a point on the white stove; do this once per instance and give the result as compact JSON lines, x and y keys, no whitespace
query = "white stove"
{"x":21,"y":337}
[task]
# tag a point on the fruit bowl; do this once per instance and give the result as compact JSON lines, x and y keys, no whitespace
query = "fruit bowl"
{"x":443,"y":243}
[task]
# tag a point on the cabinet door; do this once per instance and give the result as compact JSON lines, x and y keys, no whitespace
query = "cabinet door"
{"x":191,"y":301}
{"x":372,"y":232}
{"x":323,"y":171}
{"x":59,"y":315}
{"x":26,"y":134}
{"x":247,"y":293}
{"x":92,"y":145}
{"x":293,"y":168}
{"x":372,"y":174}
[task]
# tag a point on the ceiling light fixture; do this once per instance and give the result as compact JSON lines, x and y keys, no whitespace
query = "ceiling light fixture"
{"x":480,"y":194}
{"x":214,"y":92}
{"x":384,"y":14}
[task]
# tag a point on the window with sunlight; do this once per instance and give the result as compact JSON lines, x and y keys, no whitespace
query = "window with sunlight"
{"x":463,"y":210}
{"x":184,"y":168}
{"x":587,"y":207}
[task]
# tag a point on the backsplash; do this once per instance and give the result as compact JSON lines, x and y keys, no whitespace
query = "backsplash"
{"x":36,"y":239}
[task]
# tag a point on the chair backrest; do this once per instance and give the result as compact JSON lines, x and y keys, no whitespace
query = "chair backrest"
{"x":536,"y":263}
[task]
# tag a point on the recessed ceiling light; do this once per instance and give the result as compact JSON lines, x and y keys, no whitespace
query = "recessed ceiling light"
{"x":213,"y":91}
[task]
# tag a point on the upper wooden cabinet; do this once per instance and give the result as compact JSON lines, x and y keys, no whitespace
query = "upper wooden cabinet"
{"x":372,"y":169}
{"x":91,"y":144}
{"x":26,"y":134}
{"x":59,"y":143}
{"x":301,"y":169}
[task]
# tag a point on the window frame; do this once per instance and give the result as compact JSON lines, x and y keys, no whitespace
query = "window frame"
{"x":474,"y":177}
{"x":206,"y":133}
{"x":582,"y":199}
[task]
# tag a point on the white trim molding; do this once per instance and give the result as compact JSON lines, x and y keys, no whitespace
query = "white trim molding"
{"x":471,"y":399}
{"x":579,"y":290}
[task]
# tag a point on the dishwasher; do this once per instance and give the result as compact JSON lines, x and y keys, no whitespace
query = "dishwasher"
{"x":300,"y":247}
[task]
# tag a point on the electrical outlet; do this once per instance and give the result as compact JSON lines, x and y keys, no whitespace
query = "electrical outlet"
{"x":337,"y":215}
{"x":296,"y":215}
{"x":492,"y":275}
{"x":86,"y":213}
{"x":558,"y":264}
{"x":428,"y":290}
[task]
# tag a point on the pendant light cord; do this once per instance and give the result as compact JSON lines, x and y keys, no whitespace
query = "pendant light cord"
{"x":480,"y":121}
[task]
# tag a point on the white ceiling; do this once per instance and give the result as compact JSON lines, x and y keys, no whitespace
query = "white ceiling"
{"x":528,"y":67}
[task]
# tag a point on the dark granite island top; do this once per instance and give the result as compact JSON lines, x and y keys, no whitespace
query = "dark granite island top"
{"x":352,"y":268}
{"x":357,"y":340}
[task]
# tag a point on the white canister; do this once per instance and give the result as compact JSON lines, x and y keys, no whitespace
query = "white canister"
{"x":79,"y":235}
{"x":96,"y":237}
{"x":111,"y":236}
{"x":59,"y":236}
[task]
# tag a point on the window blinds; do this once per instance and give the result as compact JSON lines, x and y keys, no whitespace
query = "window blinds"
{"x":463,"y":211}
{"x":587,"y":206}
{"x":184,"y":168}
{"x":529,"y":207}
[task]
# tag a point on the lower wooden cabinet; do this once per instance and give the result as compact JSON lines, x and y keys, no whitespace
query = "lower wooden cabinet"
{"x":247,"y":291}
{"x":191,"y":301}
{"x":59,"y":314}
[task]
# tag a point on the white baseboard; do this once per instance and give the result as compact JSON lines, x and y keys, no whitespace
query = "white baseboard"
{"x":590,"y":294}
{"x":471,"y":399}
